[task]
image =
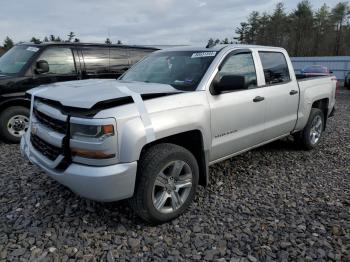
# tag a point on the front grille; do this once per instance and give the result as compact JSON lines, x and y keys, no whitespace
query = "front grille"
{"x":50,"y":151}
{"x":55,"y":124}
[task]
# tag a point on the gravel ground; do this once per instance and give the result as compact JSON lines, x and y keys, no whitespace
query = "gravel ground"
{"x":276,"y":203}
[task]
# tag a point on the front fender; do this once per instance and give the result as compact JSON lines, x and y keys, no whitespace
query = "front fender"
{"x":132,"y":135}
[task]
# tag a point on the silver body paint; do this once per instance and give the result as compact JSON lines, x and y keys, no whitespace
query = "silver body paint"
{"x":229,"y":123}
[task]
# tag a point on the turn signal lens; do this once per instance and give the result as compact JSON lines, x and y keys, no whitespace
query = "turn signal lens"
{"x":108,"y":130}
{"x":91,"y":154}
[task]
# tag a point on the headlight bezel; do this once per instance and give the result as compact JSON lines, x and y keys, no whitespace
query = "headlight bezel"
{"x":94,"y":141}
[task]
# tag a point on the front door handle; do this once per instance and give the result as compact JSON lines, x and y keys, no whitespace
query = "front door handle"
{"x":258,"y":99}
{"x":293,"y":92}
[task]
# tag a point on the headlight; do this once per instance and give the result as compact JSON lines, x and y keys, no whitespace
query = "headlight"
{"x":90,"y":131}
{"x":93,"y":141}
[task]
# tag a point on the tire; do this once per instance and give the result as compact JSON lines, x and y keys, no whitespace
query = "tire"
{"x":149,"y":189}
{"x":307,"y":140}
{"x":14,"y":122}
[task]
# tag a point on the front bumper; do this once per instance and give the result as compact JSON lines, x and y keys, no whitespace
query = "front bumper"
{"x":105,"y":184}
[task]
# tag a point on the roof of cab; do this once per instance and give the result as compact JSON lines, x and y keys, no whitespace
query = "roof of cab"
{"x":85,"y":44}
{"x":217,"y":48}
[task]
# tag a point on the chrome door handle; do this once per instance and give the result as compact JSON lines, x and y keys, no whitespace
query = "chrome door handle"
{"x":293,"y":92}
{"x":258,"y":99}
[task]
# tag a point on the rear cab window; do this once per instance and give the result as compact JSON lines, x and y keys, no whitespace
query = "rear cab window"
{"x":275,"y":67}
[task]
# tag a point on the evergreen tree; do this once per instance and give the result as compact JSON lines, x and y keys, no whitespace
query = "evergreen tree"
{"x":242,"y":33}
{"x":302,"y":32}
{"x":322,"y":29}
{"x":340,"y":18}
{"x":8,"y":43}
{"x":35,"y":40}
{"x":108,"y":41}
{"x":71,"y":35}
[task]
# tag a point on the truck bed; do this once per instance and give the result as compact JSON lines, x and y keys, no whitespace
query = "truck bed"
{"x":303,"y":77}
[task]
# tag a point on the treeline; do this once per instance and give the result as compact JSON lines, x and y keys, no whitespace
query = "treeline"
{"x":303,"y":31}
{"x":71,"y":37}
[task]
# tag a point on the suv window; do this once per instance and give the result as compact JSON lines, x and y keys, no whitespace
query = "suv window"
{"x":60,"y":60}
{"x":96,"y":60}
{"x":137,"y":54}
{"x":119,"y":61}
{"x":243,"y":65}
{"x":275,"y":67}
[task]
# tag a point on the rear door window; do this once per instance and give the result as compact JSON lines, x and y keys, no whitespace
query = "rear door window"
{"x":96,"y":60}
{"x":119,"y":61}
{"x":275,"y":67}
{"x":60,"y":60}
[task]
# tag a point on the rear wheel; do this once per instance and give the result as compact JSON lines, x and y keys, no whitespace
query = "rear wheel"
{"x":14,"y":122}
{"x":311,"y":135}
{"x":167,"y":181}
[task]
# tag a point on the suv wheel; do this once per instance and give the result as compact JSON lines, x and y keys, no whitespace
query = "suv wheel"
{"x":14,"y":122}
{"x":311,"y":135}
{"x":167,"y":181}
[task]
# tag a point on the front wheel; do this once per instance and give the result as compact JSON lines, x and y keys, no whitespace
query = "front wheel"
{"x":167,"y":181}
{"x":14,"y":122}
{"x":311,"y":135}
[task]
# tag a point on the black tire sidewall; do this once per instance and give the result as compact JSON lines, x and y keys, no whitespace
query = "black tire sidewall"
{"x":306,"y":132}
{"x":5,"y":116}
{"x":151,"y":170}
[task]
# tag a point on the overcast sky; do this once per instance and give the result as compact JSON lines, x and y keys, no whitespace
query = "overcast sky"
{"x":132,"y":21}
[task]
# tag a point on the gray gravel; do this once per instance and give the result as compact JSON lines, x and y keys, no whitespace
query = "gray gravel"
{"x":276,"y":203}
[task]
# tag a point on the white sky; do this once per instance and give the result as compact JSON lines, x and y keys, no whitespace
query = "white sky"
{"x":132,"y":21}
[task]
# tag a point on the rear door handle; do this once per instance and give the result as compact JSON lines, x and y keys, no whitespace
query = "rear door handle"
{"x":293,"y":92}
{"x":258,"y":99}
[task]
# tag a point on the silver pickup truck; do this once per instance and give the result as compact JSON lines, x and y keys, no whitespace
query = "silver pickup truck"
{"x":151,"y":135}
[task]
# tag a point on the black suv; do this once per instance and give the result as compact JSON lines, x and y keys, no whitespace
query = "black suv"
{"x":28,"y":65}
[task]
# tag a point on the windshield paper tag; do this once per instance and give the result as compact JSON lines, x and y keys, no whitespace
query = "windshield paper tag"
{"x":203,"y":54}
{"x":33,"y":49}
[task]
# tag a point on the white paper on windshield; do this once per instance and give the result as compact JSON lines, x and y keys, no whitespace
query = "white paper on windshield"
{"x":203,"y":54}
{"x":33,"y":49}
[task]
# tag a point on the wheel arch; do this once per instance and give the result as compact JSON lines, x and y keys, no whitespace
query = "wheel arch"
{"x":322,"y":104}
{"x":14,"y":102}
{"x":193,"y":141}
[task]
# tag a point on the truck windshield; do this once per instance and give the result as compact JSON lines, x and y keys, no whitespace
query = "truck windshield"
{"x":14,"y":60}
{"x":180,"y":69}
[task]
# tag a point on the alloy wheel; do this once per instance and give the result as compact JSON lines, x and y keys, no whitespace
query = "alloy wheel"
{"x":172,"y":186}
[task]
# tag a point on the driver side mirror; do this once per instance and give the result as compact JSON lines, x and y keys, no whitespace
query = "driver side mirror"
{"x":42,"y":67}
{"x":229,"y":83}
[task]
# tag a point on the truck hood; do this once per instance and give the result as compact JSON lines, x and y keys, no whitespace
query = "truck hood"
{"x":86,"y":94}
